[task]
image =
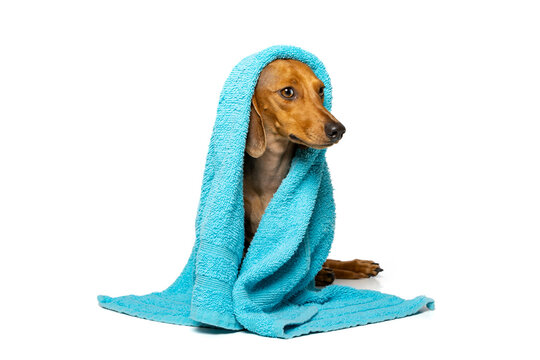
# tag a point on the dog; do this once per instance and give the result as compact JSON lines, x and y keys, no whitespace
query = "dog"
{"x":287,"y":112}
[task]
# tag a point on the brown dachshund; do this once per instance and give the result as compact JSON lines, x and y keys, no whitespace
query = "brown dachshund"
{"x":286,"y":112}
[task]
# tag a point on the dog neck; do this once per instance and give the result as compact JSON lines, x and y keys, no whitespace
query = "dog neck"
{"x":266,"y":172}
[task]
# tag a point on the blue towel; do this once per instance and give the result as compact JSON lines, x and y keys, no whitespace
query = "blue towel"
{"x":271,"y":292}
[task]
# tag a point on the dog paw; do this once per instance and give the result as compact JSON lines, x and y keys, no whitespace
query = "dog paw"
{"x":365,"y":267}
{"x":325,"y":277}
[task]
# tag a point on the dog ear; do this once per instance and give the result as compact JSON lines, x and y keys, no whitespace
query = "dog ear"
{"x":256,"y":137}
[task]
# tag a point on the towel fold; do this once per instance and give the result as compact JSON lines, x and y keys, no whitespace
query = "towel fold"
{"x":271,"y":292}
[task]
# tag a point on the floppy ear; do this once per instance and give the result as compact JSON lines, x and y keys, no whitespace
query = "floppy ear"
{"x":256,"y":137}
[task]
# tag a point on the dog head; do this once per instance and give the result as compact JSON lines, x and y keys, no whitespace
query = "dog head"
{"x":288,"y":103}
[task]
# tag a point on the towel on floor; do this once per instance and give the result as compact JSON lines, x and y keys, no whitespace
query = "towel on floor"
{"x":271,"y":292}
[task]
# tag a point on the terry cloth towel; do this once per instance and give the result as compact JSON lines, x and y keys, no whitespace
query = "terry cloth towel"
{"x":272,"y":292}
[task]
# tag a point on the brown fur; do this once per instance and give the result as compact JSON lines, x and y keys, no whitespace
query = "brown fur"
{"x":279,"y":123}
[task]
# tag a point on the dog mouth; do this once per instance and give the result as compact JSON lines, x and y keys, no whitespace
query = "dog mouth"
{"x":297,"y":140}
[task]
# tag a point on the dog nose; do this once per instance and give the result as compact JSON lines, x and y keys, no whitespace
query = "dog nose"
{"x":334,"y":131}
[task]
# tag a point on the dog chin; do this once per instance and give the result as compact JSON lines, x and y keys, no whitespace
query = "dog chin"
{"x":319,"y":147}
{"x":299,"y":141}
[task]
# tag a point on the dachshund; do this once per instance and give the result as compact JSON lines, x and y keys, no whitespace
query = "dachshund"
{"x":287,"y":112}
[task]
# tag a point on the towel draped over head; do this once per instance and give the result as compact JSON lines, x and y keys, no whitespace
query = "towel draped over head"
{"x":271,"y":292}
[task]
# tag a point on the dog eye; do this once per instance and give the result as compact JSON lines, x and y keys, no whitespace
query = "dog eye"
{"x":287,"y":92}
{"x":321,"y":92}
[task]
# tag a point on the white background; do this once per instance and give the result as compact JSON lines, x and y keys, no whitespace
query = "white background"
{"x":106,"y":111}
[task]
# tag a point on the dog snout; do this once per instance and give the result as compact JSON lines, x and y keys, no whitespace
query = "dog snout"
{"x":334,"y":131}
